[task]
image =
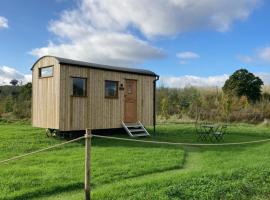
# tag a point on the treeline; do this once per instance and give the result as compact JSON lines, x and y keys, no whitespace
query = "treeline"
{"x":15,"y":101}
{"x":210,"y":104}
{"x":241,"y":99}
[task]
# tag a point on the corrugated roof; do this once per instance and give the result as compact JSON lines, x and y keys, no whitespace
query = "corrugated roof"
{"x":104,"y":67}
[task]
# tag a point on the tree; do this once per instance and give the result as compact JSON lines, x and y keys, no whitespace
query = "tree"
{"x":165,"y":108}
{"x":243,"y":83}
{"x":26,"y":92}
{"x":14,"y":82}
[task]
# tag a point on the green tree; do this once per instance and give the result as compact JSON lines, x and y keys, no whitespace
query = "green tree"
{"x":22,"y":108}
{"x":244,"y":83}
{"x":14,"y":82}
{"x":165,"y":108}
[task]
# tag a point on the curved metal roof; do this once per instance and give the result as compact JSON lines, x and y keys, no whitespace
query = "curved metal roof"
{"x":101,"y":66}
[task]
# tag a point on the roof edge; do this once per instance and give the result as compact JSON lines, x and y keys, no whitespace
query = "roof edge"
{"x":99,"y":66}
{"x":42,"y":58}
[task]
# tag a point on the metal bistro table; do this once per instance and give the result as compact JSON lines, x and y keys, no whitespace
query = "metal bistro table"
{"x":210,"y":130}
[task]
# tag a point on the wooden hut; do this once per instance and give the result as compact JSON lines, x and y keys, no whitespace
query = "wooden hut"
{"x":71,"y":95}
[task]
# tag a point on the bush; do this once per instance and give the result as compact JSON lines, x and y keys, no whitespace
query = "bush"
{"x":210,"y":104}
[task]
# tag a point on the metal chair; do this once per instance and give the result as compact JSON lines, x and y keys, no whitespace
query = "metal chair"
{"x":200,"y":131}
{"x":220,"y":132}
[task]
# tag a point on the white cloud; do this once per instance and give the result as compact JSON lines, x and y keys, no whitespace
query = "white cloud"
{"x":167,"y":17}
{"x":100,"y":30}
{"x":264,"y":54}
{"x":108,"y":48}
{"x":245,"y":59}
{"x":261,"y":55}
{"x":265,"y":77}
{"x":3,"y":22}
{"x":187,"y":55}
{"x":183,"y":62}
{"x":196,"y":81}
{"x":9,"y":73}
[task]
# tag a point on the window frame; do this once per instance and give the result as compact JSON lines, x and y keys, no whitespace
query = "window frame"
{"x":117,"y":93}
{"x":78,"y":77}
{"x":40,"y":69}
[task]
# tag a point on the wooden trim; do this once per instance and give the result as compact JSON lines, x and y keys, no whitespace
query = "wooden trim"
{"x":39,"y":72}
{"x":78,"y":77}
{"x":78,"y":96}
{"x":117,"y":92}
{"x":85,"y":95}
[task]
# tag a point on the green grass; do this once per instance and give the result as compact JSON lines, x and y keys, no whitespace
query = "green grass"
{"x":128,"y":170}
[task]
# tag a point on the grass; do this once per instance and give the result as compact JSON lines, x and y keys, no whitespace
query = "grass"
{"x":128,"y":170}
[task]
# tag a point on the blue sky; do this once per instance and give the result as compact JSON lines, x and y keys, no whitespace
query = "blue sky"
{"x":185,"y":42}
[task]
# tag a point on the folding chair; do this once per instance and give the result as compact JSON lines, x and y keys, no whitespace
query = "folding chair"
{"x":200,"y":132}
{"x":220,"y":132}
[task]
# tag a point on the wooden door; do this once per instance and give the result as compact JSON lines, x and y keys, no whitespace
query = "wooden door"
{"x":130,"y":101}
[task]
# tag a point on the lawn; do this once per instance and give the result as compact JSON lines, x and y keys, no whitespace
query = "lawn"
{"x":128,"y":170}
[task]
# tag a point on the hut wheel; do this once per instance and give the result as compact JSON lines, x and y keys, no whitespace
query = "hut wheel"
{"x":55,"y":133}
{"x":49,"y":132}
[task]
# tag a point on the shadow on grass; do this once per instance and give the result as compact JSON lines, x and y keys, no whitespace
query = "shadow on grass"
{"x":232,"y":138}
{"x":48,"y":192}
{"x":180,"y":134}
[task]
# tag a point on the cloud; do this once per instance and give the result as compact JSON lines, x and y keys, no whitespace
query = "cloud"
{"x":264,"y":54}
{"x":108,"y":48}
{"x":167,"y":17}
{"x":9,"y":73}
{"x":245,"y":59}
{"x":3,"y":22}
{"x":260,"y":55}
{"x":197,"y":81}
{"x":187,"y":55}
{"x":103,"y":30}
{"x":265,"y":77}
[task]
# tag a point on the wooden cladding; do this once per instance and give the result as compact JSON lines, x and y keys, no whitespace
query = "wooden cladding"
{"x":46,"y":95}
{"x":54,"y":107}
{"x":96,"y":111}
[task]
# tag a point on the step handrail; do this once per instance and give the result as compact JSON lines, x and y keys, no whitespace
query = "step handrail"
{"x":143,"y":128}
{"x":139,"y":124}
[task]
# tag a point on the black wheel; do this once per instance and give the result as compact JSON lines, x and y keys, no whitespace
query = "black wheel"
{"x":49,"y":132}
{"x":55,"y":133}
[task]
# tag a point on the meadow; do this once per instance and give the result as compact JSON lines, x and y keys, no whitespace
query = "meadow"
{"x":129,"y":170}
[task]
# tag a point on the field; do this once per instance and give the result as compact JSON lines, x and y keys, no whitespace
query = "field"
{"x":128,"y":170}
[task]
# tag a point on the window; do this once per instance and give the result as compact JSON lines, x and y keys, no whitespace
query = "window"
{"x":46,"y":72}
{"x":78,"y":87}
{"x":111,"y":89}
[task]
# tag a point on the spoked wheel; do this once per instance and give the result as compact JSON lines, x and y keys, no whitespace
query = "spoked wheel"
{"x":52,"y":132}
{"x":55,"y":133}
{"x":49,"y":132}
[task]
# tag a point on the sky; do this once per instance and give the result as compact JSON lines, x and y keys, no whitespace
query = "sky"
{"x":186,"y":42}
